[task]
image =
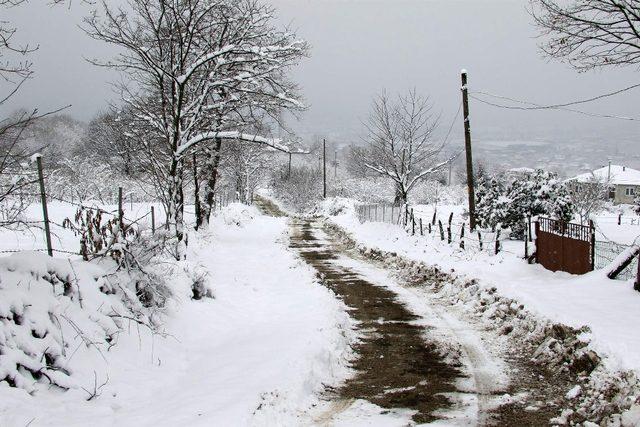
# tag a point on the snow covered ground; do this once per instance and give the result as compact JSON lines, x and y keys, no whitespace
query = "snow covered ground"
{"x":608,"y":307}
{"x":256,"y":354}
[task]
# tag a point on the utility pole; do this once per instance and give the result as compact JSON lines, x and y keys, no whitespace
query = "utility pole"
{"x":324,"y":168}
{"x":289,"y":170}
{"x":467,"y":146}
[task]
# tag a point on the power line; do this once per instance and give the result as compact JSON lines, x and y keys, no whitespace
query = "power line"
{"x":584,"y":113}
{"x":531,"y":106}
{"x":568,"y":104}
{"x":455,"y":119}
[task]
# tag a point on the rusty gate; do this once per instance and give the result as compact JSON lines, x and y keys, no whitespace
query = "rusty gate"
{"x":562,"y":246}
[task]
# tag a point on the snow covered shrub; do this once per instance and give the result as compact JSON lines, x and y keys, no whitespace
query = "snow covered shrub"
{"x":199,"y":278}
{"x":489,"y":201}
{"x":509,"y":205}
{"x":300,"y":189}
{"x":132,"y":251}
{"x":52,"y":309}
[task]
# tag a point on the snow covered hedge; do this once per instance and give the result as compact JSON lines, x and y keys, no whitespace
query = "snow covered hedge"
{"x":51,"y":309}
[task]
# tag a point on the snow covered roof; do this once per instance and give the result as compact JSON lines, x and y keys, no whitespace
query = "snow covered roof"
{"x":620,"y":175}
{"x":521,"y":170}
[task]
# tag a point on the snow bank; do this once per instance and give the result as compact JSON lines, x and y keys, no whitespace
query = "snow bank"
{"x":53,"y":309}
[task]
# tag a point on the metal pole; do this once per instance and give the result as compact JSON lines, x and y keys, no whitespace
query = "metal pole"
{"x":45,"y":211}
{"x":467,"y":146}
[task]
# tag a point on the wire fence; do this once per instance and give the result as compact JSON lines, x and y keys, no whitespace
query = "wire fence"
{"x":452,"y":231}
{"x":606,"y":252}
{"x":142,"y":217}
{"x":459,"y":234}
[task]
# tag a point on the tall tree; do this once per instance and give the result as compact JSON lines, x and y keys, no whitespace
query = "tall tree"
{"x":590,"y":33}
{"x":185,"y":75}
{"x":399,"y":142}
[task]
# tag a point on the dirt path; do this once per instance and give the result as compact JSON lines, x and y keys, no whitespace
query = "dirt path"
{"x":398,"y":364}
{"x":396,"y":367}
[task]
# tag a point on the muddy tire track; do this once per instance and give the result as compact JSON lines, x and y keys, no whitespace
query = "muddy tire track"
{"x":396,"y":367}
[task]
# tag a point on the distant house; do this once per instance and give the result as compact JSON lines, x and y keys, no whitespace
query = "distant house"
{"x":623,"y":182}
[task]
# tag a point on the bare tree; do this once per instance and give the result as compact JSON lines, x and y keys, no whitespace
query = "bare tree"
{"x":245,"y":165}
{"x":399,"y":142}
{"x":590,"y":33}
{"x":16,"y":177}
{"x":587,"y":197}
{"x":186,"y":74}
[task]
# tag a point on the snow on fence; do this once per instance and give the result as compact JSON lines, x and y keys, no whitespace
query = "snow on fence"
{"x":606,"y":252}
{"x":488,"y":241}
{"x":454,"y":232}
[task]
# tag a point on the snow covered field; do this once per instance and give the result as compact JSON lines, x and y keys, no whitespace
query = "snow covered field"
{"x":255,"y":354}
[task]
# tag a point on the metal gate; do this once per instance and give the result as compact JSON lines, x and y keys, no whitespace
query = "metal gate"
{"x":562,"y":246}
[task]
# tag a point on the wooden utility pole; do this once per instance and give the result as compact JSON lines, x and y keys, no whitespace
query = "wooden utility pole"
{"x":324,"y":168}
{"x":45,"y":211}
{"x":467,"y":146}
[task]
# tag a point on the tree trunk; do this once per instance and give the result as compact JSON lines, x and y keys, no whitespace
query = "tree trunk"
{"x":176,"y":207}
{"x":211,"y":171}
{"x":196,"y":191}
{"x":400,"y":197}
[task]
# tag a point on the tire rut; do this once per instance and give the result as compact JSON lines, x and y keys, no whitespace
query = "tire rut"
{"x":395,"y":368}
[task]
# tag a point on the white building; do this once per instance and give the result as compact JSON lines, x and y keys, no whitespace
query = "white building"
{"x":623,"y":182}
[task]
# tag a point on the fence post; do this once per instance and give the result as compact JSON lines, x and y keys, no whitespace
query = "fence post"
{"x":636,"y":285}
{"x":375,"y":210}
{"x":421,"y":232}
{"x":384,"y":213}
{"x":449,"y":228}
{"x":153,"y":220}
{"x":620,"y":219}
{"x":592,"y":229}
{"x":429,"y":227}
{"x":498,"y":242}
{"x":45,"y":211}
{"x":406,"y":214}
{"x":392,"y":214}
{"x":527,"y":236}
{"x":120,"y":210}
{"x":462,"y":237}
{"x":413,"y":223}
{"x":433,"y":220}
{"x":529,"y":221}
{"x":480,"y":240}
{"x":441,"y":230}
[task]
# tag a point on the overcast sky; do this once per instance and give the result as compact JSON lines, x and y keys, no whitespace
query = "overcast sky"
{"x":359,"y":48}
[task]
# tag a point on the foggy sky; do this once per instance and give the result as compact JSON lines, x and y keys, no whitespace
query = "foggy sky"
{"x":359,"y":48}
